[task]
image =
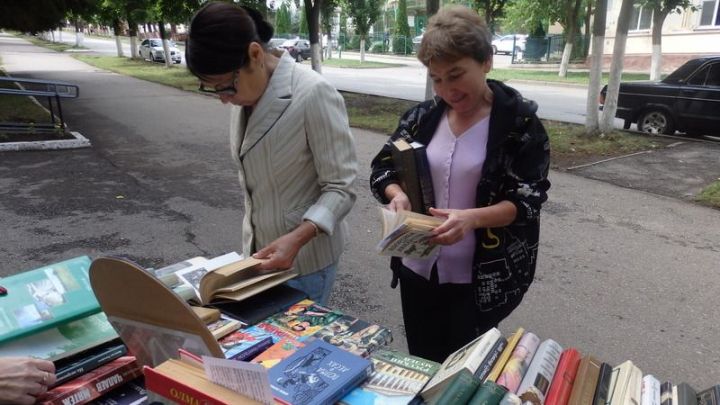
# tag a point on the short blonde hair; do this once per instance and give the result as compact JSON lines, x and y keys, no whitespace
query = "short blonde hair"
{"x":453,"y":33}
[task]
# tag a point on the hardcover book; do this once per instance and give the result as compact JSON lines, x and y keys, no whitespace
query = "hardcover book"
{"x":650,"y":393}
{"x":411,"y":163}
{"x":245,"y":344}
{"x":541,"y":370}
{"x":505,"y":355}
{"x":318,"y":373}
{"x":132,"y":393}
{"x":489,"y":361}
{"x":686,"y":395}
{"x":278,"y":351}
{"x":74,"y":366}
{"x":602,"y":390}
{"x":519,"y":362}
{"x":489,"y":393}
{"x":458,"y":389}
{"x":407,"y":233}
{"x":46,"y":297}
{"x":355,"y":335}
{"x":63,"y":340}
{"x":564,"y":379}
{"x":304,"y":318}
{"x":467,"y":357}
{"x":510,"y":399}
{"x":625,"y":384}
{"x":666,"y":393}
{"x":585,"y":381}
{"x":93,"y":384}
{"x":397,"y":378}
{"x":709,"y":396}
{"x":224,"y":326}
{"x":183,"y":383}
{"x":254,"y":309}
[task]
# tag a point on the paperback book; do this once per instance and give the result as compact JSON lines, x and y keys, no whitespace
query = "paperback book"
{"x":355,"y":335}
{"x":277,"y":352}
{"x":304,"y":318}
{"x":519,"y":361}
{"x":319,"y":373}
{"x":245,"y":344}
{"x":407,"y":234}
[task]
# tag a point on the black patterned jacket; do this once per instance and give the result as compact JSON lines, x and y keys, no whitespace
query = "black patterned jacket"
{"x":515,"y":169}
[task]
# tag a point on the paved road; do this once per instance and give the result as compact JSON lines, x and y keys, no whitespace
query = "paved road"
{"x":622,"y":274}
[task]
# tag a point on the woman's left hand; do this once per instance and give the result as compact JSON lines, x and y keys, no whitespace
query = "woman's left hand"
{"x":280,"y":253}
{"x":457,"y":224}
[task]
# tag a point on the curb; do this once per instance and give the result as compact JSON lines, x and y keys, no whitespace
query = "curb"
{"x":548,"y":83}
{"x":77,"y":143}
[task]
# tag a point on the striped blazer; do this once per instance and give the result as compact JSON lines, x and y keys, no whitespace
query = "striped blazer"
{"x":296,"y":160}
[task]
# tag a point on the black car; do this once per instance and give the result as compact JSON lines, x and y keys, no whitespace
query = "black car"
{"x":299,"y":49}
{"x":688,"y":100}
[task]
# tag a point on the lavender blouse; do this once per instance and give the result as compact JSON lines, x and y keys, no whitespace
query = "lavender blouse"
{"x":456,"y":167}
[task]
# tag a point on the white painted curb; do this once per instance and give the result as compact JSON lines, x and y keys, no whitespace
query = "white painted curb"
{"x":79,"y":142}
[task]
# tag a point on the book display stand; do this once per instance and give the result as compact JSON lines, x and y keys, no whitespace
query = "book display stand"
{"x":149,"y":317}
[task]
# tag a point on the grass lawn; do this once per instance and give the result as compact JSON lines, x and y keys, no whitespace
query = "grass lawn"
{"x":505,"y":74}
{"x":19,"y":108}
{"x":175,"y":76}
{"x":710,"y":195}
{"x":55,"y":46}
{"x":355,"y":64}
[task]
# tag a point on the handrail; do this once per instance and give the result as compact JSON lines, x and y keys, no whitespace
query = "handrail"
{"x":40,"y":88}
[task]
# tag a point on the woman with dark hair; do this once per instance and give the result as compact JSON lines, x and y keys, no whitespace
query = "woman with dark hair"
{"x":489,"y":156}
{"x":290,"y":137}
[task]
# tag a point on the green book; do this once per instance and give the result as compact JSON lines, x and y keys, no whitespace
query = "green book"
{"x":458,"y":390}
{"x":489,"y":393}
{"x":63,"y":340}
{"x":46,"y":297}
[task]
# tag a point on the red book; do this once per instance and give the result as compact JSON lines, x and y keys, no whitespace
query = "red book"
{"x":93,"y":384}
{"x":562,"y":382}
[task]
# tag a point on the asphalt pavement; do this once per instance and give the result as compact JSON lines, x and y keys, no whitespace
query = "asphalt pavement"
{"x":628,"y":265}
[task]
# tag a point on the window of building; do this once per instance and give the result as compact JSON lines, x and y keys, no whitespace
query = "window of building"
{"x":641,"y":18}
{"x":710,"y":13}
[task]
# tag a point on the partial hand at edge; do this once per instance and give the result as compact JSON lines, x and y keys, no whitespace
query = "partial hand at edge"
{"x":457,"y":224}
{"x":22,"y":379}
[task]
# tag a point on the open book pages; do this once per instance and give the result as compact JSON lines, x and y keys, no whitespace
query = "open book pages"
{"x":407,"y":234}
{"x":228,"y":277}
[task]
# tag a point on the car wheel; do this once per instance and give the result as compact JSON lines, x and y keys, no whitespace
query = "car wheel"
{"x":494,"y":48}
{"x":299,"y":57}
{"x":656,"y":122}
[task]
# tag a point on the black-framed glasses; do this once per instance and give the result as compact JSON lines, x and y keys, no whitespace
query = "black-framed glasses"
{"x":225,"y":91}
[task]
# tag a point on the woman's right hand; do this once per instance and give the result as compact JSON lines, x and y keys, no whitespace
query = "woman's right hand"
{"x":22,"y":379}
{"x":398,"y":199}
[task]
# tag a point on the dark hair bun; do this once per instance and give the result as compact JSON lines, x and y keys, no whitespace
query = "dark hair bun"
{"x":262,"y":27}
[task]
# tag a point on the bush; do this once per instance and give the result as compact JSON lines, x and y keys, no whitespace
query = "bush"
{"x":402,"y":45}
{"x":354,"y":43}
{"x":377,"y":47}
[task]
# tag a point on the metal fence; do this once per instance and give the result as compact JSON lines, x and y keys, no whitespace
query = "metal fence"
{"x":548,"y":49}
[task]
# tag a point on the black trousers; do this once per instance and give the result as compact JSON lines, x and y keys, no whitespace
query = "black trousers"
{"x":441,"y":318}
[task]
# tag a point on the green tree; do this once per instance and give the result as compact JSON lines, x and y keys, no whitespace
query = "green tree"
{"x":24,"y":16}
{"x":492,"y":10}
{"x":327,"y":12}
{"x":661,"y":9}
{"x":303,"y":30}
{"x":402,"y":41}
{"x":364,"y":14}
{"x":282,"y":19}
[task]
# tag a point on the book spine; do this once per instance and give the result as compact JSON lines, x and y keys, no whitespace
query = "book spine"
{"x":459,"y":391}
{"x":585,"y":381}
{"x":650,"y":391}
{"x":254,"y":350}
{"x":427,"y":192}
{"x":505,"y":355}
{"x":351,"y":385}
{"x":90,"y":386}
{"x":174,"y":390}
{"x":710,"y":396}
{"x":489,"y":393}
{"x":562,"y":384}
{"x":603,"y":385}
{"x":88,"y":363}
{"x":484,"y":370}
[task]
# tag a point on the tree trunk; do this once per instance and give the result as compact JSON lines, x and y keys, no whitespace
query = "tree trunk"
{"x":166,"y":45}
{"x":362,"y":49}
{"x":316,"y":57}
{"x":569,"y":39}
{"x":432,"y":7}
{"x":79,"y":36}
{"x":588,"y":19}
{"x":312,"y":12}
{"x":429,"y":93}
{"x":132,"y":32}
{"x":117,"y":31}
{"x":592,"y":125}
{"x":656,"y":58}
{"x":607,"y":124}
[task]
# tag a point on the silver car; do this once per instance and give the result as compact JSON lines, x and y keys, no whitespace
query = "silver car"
{"x":152,"y":49}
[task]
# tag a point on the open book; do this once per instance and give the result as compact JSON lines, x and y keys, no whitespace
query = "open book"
{"x":407,"y":234}
{"x":225,"y":278}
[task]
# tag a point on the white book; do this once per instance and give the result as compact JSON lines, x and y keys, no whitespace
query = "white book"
{"x":625,"y":385}
{"x":469,"y":356}
{"x":541,"y":370}
{"x":510,"y":399}
{"x":650,"y":393}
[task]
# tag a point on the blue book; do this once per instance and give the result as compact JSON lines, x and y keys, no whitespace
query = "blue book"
{"x":245,"y":344}
{"x":46,"y":297}
{"x":316,"y":374}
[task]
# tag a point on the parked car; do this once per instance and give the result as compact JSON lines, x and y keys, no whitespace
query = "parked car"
{"x":299,"y":49}
{"x":509,"y":43}
{"x":687,"y":100}
{"x":276,"y":43}
{"x":152,"y":49}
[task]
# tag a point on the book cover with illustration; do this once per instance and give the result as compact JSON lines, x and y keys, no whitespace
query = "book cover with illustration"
{"x":355,"y":335}
{"x":396,"y":379}
{"x":245,"y":344}
{"x":319,"y":373}
{"x":278,"y":351}
{"x":63,"y":340}
{"x":519,"y":361}
{"x":46,"y":297}
{"x":304,"y":318}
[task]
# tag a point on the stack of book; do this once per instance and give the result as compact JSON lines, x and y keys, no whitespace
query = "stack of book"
{"x":51,"y":313}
